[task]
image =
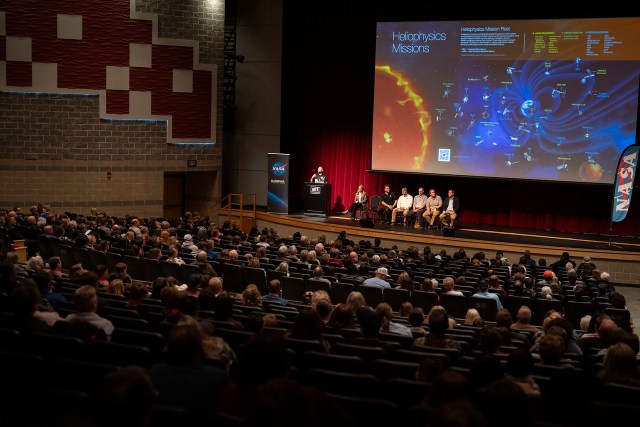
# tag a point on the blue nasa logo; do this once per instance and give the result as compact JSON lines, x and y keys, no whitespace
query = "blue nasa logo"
{"x":278,"y":168}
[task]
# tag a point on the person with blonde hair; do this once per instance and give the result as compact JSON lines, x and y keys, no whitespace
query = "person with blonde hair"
{"x":358,"y":202}
{"x":355,"y":301}
{"x":471,"y":316}
{"x":36,"y":263}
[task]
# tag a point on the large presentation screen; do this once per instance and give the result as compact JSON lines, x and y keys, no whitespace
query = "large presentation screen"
{"x":549,"y":99}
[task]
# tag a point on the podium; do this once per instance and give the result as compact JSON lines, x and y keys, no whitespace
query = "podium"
{"x":316,"y":199}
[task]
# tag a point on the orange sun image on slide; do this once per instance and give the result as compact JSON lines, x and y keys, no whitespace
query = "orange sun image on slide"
{"x":401,"y":125}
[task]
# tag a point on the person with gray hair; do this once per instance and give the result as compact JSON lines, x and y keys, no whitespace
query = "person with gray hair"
{"x":449,"y":285}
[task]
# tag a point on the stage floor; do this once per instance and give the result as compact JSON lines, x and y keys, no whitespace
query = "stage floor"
{"x":472,"y":236}
{"x":507,"y":235}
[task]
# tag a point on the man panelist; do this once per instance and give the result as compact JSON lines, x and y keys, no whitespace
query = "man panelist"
{"x":404,"y":205}
{"x":450,"y":206}
{"x":388,"y":201}
{"x":434,"y":204}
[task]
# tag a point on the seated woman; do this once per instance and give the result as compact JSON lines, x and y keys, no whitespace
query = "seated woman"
{"x":358,"y":201}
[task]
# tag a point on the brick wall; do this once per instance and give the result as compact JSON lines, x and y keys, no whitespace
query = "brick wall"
{"x":54,"y":149}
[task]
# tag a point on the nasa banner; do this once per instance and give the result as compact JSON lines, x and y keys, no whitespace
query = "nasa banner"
{"x":624,"y":183}
{"x":278,"y":190}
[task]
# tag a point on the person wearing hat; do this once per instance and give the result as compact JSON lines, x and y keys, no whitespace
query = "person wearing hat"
{"x":546,"y":279}
{"x":379,"y":280}
{"x":188,"y":245}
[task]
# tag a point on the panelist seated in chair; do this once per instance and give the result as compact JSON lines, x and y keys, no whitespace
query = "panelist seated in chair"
{"x":434,"y":205}
{"x":417,"y":209}
{"x":358,"y":202}
{"x":404,"y":205}
{"x":388,"y":201}
{"x":450,"y":209}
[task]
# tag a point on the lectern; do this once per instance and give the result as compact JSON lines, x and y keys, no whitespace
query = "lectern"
{"x":316,"y":199}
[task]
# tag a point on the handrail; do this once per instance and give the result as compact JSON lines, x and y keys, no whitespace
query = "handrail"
{"x":233,"y":207}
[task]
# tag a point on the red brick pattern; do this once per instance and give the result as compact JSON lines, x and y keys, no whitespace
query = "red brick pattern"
{"x":107,"y":31}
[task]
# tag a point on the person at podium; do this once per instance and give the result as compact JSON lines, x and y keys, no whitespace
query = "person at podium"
{"x":319,"y":177}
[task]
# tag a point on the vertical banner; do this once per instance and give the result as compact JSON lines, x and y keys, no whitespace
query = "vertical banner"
{"x":624,"y":183}
{"x":278,"y":189}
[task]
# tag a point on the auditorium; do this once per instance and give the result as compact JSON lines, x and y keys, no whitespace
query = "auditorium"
{"x":275,"y":213}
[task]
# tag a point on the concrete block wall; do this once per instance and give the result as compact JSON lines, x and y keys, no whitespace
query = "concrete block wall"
{"x":54,"y":149}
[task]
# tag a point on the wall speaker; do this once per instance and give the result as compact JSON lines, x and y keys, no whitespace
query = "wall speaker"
{"x":366,"y":222}
{"x":449,"y":232}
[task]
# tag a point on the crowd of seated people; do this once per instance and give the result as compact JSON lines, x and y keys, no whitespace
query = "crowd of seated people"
{"x":206,"y":330}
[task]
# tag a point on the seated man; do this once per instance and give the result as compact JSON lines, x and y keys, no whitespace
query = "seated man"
{"x":404,"y":205}
{"x":450,"y":209}
{"x":432,"y":211}
{"x":418,"y":208}
{"x":387,"y":203}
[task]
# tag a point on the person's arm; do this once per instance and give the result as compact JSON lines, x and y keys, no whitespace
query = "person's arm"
{"x":439,"y":200}
{"x":312,"y":177}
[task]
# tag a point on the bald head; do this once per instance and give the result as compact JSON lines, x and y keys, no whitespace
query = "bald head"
{"x":215,"y":283}
{"x":524,"y":314}
{"x":202,"y":256}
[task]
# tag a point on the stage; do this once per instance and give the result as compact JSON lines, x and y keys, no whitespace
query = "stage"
{"x":620,"y":256}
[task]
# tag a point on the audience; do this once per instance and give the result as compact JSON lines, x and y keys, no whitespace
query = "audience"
{"x":200,"y":373}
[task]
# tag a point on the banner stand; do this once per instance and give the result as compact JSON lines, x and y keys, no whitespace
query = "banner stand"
{"x":278,"y":183}
{"x":622,"y":188}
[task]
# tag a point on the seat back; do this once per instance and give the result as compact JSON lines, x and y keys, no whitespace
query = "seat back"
{"x":395,"y":297}
{"x":345,"y":383}
{"x":82,"y":256}
{"x":621,"y":316}
{"x":488,"y":308}
{"x":134,"y":267}
{"x":540,"y":308}
{"x":372,"y":295}
{"x":293,"y":288}
{"x":232,"y":276}
{"x":150,"y":269}
{"x":455,"y":305}
{"x":340,"y":291}
{"x":168,"y":268}
{"x":256,"y":276}
{"x":576,"y":310}
{"x":311,"y":285}
{"x":424,"y":300}
{"x":186,"y":270}
{"x":514,"y":302}
{"x":336,"y":362}
{"x":374,"y":202}
{"x":66,"y":256}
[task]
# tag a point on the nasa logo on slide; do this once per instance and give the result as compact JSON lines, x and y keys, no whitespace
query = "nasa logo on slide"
{"x":278,"y":168}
